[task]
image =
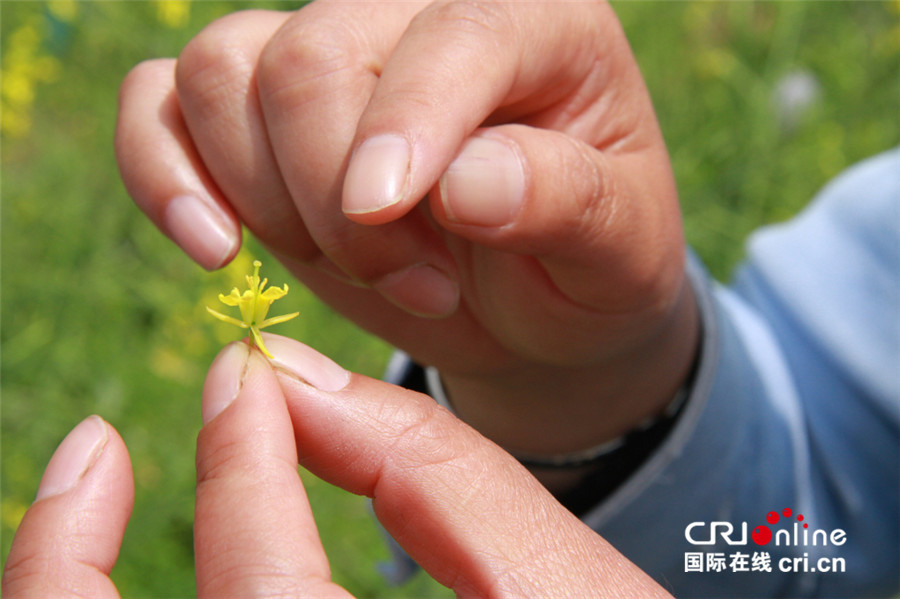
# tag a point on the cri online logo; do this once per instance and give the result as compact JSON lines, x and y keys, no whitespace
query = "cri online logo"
{"x":707,"y":533}
{"x":762,"y":534}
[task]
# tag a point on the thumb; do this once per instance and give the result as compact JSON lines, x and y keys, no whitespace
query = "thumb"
{"x":604,"y":225}
{"x":464,"y":509}
{"x":69,"y":539}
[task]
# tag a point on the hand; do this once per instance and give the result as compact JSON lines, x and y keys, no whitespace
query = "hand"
{"x":430,"y":476}
{"x":550,"y":245}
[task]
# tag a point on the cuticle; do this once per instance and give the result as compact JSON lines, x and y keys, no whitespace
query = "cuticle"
{"x":245,"y":372}
{"x":291,"y":375}
{"x":99,"y":448}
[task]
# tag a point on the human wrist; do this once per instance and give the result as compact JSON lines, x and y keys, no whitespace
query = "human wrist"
{"x":535,"y":409}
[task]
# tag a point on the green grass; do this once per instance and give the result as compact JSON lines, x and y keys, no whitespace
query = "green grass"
{"x":102,"y":315}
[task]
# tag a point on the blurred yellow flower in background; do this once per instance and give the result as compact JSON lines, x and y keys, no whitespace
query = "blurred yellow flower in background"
{"x":24,"y":66}
{"x":11,"y":513}
{"x":173,"y":13}
{"x":64,"y":10}
{"x":889,"y":41}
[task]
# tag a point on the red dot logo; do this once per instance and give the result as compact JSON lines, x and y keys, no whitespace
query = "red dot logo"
{"x":761,"y":535}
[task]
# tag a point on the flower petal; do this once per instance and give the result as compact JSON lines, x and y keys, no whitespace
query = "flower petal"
{"x":225,"y":318}
{"x":259,"y":342}
{"x":232,"y":299}
{"x":278,"y":319}
{"x":274,"y":293}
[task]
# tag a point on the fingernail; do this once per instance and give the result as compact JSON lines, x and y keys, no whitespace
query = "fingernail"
{"x":305,"y":363}
{"x":422,"y":290}
{"x":377,"y":175}
{"x":201,"y":230}
{"x":74,"y":457}
{"x":223,"y":382}
{"x":484,"y":185}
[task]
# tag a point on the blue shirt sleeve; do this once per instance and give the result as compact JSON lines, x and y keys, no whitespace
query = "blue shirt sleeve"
{"x":796,"y":407}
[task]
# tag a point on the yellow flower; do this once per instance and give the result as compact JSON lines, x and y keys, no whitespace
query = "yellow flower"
{"x":254,"y":304}
{"x":173,"y":13}
{"x":64,"y":10}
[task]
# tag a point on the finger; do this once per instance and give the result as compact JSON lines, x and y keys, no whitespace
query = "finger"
{"x":163,"y":172}
{"x":315,"y":78}
{"x":461,"y":63}
{"x":463,"y":508}
{"x":592,"y":237}
{"x":217,"y":93}
{"x":605,"y":228}
{"x":254,"y":533}
{"x":69,"y":539}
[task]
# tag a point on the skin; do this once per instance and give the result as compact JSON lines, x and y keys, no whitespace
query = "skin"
{"x":504,"y":534}
{"x":573,"y":291}
{"x":554,"y":304}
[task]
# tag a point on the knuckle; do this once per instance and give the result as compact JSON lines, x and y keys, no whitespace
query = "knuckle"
{"x":303,"y":53}
{"x":232,"y":460}
{"x":217,"y":464}
{"x":467,"y":16}
{"x":425,"y":439}
{"x":232,"y":466}
{"x":584,"y":190}
{"x":142,"y":74}
{"x":595,"y":191}
{"x":217,"y":62}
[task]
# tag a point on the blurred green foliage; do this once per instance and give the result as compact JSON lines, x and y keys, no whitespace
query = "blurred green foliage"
{"x":713,"y":68}
{"x":101,"y":314}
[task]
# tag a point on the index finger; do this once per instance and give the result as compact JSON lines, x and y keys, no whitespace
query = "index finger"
{"x":464,"y":509}
{"x":460,"y":64}
{"x":339,"y":78}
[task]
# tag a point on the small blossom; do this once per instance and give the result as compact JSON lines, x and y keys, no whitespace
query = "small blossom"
{"x":24,"y":66}
{"x":174,"y":14}
{"x":254,"y":305}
